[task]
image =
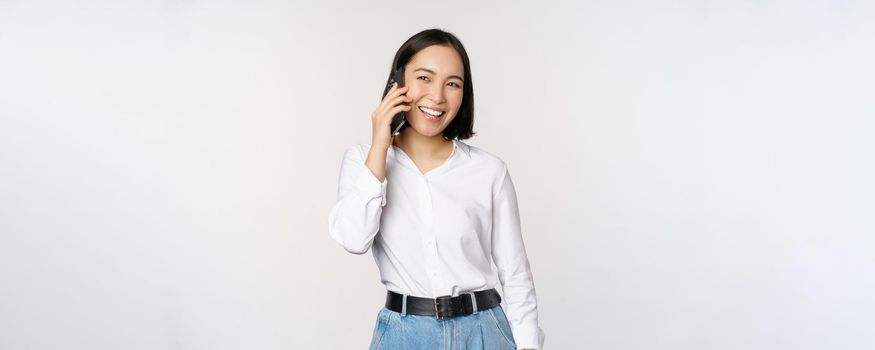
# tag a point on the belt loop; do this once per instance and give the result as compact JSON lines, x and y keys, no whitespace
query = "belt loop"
{"x":473,"y":301}
{"x":403,"y":304}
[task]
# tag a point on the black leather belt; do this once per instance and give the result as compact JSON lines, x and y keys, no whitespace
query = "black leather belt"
{"x":444,"y":307}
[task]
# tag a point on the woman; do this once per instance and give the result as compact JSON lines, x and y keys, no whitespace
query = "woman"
{"x":438,"y":213}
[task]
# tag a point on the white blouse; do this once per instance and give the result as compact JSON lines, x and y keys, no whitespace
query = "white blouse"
{"x":439,"y":233}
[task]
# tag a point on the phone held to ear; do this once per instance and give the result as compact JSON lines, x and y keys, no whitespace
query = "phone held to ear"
{"x":399,"y":119}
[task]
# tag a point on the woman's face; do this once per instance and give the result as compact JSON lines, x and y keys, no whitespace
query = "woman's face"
{"x":434,"y":76}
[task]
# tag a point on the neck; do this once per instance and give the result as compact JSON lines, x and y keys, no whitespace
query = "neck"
{"x":418,"y":145}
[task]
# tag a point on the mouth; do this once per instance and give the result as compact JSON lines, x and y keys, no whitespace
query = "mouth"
{"x":432,"y":114}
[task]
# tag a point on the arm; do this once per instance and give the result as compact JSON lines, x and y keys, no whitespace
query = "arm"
{"x":509,"y":255}
{"x":354,"y":220}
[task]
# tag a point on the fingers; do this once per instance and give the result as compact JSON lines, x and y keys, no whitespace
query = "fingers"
{"x":395,"y":91}
{"x":400,"y":99}
{"x":399,"y":108}
{"x":392,"y":101}
{"x":394,"y":109}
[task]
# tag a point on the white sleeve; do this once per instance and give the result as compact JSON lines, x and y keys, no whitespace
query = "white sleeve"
{"x":355,"y":218}
{"x":509,"y":255}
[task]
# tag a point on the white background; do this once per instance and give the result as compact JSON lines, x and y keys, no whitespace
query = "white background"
{"x":691,"y":174}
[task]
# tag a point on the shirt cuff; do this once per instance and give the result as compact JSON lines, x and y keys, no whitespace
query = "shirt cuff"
{"x":371,"y":187}
{"x":529,"y":337}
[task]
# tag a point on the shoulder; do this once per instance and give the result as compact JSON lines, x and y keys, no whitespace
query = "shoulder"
{"x":356,"y":151}
{"x":361,"y":147}
{"x":492,"y":166}
{"x":484,"y":158}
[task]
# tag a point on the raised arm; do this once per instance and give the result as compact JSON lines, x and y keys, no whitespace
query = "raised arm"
{"x":355,"y":219}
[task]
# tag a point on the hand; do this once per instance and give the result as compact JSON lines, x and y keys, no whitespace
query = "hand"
{"x":381,"y":118}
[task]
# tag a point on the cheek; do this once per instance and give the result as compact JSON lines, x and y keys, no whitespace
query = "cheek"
{"x":415,"y":92}
{"x":455,"y":100}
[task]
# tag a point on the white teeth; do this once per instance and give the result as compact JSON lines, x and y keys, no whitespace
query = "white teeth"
{"x":431,"y":111}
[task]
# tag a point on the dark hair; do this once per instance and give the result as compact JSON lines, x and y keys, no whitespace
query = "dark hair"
{"x":462,"y":126}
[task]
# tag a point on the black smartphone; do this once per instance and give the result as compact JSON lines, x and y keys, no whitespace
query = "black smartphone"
{"x":399,"y":119}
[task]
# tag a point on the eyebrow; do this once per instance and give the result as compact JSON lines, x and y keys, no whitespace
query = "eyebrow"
{"x":432,"y":72}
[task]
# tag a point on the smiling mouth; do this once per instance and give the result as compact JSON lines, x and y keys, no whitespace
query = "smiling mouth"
{"x":433,"y":114}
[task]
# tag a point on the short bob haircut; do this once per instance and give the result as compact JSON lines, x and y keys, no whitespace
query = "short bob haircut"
{"x":462,"y":126}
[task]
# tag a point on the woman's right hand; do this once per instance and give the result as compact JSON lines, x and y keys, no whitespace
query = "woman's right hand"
{"x":394,"y":102}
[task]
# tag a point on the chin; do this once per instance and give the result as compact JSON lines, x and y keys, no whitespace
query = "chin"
{"x":429,"y":133}
{"x":424,"y":128}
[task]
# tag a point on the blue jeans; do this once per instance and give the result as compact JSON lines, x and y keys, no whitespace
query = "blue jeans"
{"x":486,"y":329}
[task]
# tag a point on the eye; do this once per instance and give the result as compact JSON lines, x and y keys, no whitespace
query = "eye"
{"x":454,"y":84}
{"x":423,"y":77}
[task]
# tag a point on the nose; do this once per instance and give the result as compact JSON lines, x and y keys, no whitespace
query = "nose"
{"x":436,"y":94}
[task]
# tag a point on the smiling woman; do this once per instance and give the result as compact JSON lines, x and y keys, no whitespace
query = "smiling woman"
{"x":438,"y":73}
{"x":438,"y":214}
{"x":428,"y":79}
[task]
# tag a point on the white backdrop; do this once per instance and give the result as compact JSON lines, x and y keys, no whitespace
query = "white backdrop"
{"x":691,"y":175}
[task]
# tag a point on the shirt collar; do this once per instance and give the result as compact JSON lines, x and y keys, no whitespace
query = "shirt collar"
{"x":463,"y":146}
{"x":457,"y":144}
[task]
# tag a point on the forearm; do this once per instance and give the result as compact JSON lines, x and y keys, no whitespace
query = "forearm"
{"x":376,"y":161}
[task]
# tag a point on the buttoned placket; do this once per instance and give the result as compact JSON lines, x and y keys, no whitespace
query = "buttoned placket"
{"x":429,"y":240}
{"x":427,"y":235}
